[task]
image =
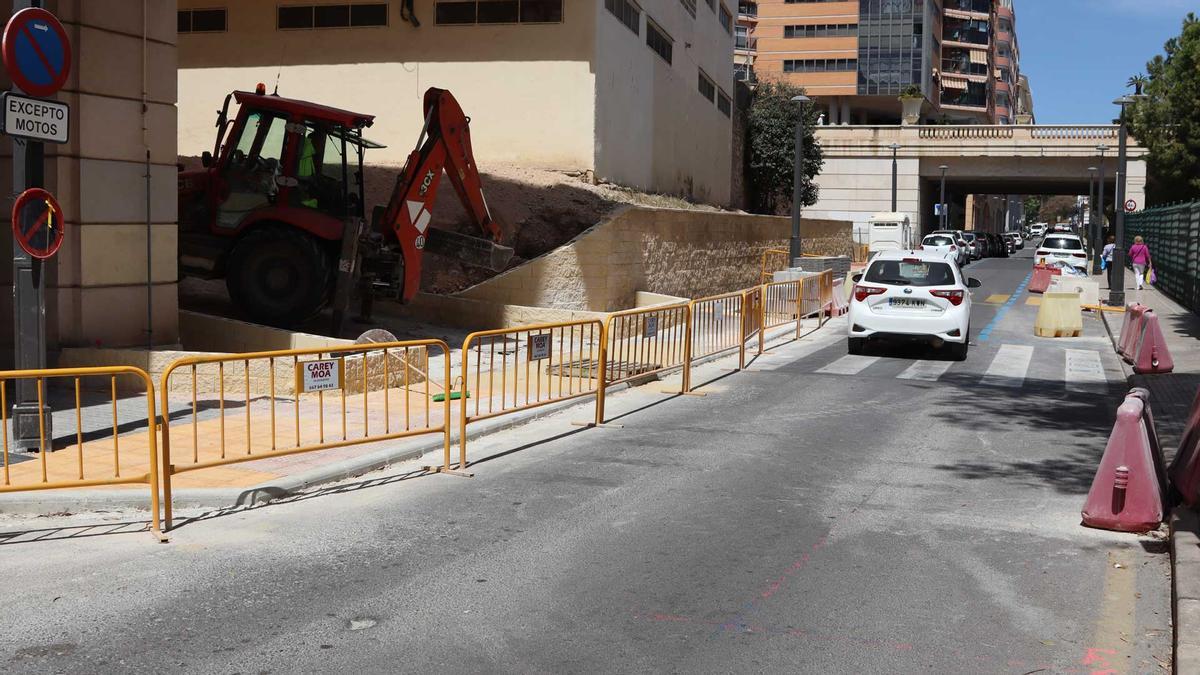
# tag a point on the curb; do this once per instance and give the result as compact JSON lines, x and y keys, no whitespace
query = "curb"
{"x":1185,"y":589}
{"x":56,"y":502}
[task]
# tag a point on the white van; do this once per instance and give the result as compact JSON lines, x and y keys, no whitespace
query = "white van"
{"x":888,"y":231}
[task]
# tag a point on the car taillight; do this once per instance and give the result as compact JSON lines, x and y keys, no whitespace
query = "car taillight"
{"x":953,"y":248}
{"x":955,"y":297}
{"x":921,"y":247}
{"x":861,"y":293}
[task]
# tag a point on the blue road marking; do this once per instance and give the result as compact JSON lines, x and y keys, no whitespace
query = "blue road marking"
{"x":986,"y":333}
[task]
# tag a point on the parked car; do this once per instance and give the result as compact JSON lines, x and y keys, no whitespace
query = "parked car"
{"x":976,"y":245}
{"x":945,"y":245}
{"x":1066,"y":248}
{"x":913,"y":294}
{"x":959,"y":241}
{"x":1038,"y":229}
{"x":1017,"y":240}
{"x":1000,"y":247}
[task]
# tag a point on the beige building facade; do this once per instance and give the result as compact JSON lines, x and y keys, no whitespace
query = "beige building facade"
{"x":636,"y":93}
{"x":100,"y":290}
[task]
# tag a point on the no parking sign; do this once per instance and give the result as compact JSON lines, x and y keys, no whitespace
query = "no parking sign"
{"x":38,"y":223}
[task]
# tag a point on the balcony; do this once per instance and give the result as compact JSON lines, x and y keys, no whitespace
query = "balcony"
{"x":744,"y":72}
{"x":744,"y":43}
{"x":748,"y":9}
{"x":963,"y":66}
{"x":977,"y":6}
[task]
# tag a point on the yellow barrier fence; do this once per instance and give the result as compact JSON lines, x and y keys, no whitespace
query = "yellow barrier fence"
{"x":510,"y":369}
{"x":717,"y":326}
{"x":752,"y":315}
{"x":647,"y":341}
{"x":246,"y":407}
{"x":95,"y":458}
{"x":773,"y":260}
{"x":782,"y":304}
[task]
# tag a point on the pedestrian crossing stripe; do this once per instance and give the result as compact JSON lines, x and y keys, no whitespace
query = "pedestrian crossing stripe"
{"x":997,"y":299}
{"x":1083,"y":369}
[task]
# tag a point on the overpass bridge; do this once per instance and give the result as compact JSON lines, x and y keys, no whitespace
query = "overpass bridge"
{"x":856,"y":179}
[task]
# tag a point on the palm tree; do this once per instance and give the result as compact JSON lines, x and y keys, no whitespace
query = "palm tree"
{"x":1138,"y":82}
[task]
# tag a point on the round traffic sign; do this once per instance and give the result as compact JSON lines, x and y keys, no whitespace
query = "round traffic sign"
{"x":36,"y":51}
{"x":38,"y":223}
{"x":1130,"y":206}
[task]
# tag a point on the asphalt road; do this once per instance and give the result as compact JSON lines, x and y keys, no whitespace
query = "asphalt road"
{"x":913,"y":515}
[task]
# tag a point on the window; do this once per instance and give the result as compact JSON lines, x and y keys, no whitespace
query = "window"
{"x":724,"y":104}
{"x":689,"y":5}
{"x":920,"y":273}
{"x":658,"y":40}
{"x":797,"y":2}
{"x":1002,"y":99}
{"x":819,"y":65}
{"x":821,"y":30}
{"x":726,"y":19}
{"x":707,"y":89}
{"x":712,"y":4}
{"x":201,"y":20}
{"x":356,"y":15}
{"x":625,"y":11}
{"x":1062,"y":243}
{"x":500,"y":11}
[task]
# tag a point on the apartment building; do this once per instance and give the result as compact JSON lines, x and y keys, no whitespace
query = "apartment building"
{"x":856,"y":57}
{"x":640,"y":93}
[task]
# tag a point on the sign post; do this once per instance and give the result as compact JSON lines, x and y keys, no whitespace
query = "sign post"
{"x":37,"y":57}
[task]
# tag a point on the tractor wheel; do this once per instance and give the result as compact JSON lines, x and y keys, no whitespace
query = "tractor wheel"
{"x":279,"y":275}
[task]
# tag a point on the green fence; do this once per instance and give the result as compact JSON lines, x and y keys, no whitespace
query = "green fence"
{"x":1173,"y":235}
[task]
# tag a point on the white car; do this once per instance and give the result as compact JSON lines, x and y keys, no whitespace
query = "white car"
{"x":912,"y":294}
{"x":1038,"y":229}
{"x":1065,"y":248}
{"x":1017,"y":240}
{"x":946,"y":245}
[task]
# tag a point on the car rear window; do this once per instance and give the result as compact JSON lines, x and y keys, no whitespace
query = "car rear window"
{"x":910,"y":273}
{"x":969,"y":237}
{"x":938,"y":241}
{"x":1066,"y":243}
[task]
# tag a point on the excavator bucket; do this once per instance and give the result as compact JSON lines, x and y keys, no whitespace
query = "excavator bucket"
{"x":471,"y":250}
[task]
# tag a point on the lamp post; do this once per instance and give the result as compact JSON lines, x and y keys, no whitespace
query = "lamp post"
{"x":1116,"y":291}
{"x":1093,"y":230}
{"x":944,"y":212}
{"x":798,"y":176}
{"x":1100,"y":197}
{"x":894,"y":147}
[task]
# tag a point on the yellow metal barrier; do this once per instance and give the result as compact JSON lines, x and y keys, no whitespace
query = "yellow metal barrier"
{"x":716,"y":327}
{"x":782,"y":304}
{"x":350,"y":384}
{"x":773,"y":260}
{"x":533,"y":366}
{"x":645,"y":341}
{"x":95,"y":462}
{"x":826,"y":296}
{"x":752,"y":315}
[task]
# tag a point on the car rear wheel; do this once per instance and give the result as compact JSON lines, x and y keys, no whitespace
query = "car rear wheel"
{"x":958,"y":350}
{"x":855,"y":345}
{"x":279,"y":275}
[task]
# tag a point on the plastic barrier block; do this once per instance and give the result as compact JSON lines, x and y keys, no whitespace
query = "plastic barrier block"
{"x":1041,"y":278}
{"x":1088,"y":289}
{"x":1125,"y":494}
{"x":1151,"y":355}
{"x":1184,"y":472}
{"x":841,"y":303}
{"x":1133,"y":317}
{"x":1059,"y":315}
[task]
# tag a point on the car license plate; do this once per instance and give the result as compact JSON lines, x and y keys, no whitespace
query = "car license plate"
{"x":905,"y":302}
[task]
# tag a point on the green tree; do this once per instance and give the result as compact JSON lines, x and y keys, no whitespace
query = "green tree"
{"x":1033,"y":205}
{"x":1137,"y":83}
{"x":1167,"y":120}
{"x":1056,"y":209}
{"x":771,"y":130}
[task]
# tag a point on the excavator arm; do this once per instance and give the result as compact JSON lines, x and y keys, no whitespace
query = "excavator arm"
{"x":444,"y":145}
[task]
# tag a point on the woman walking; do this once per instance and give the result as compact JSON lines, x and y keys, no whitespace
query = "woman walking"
{"x":1107,"y":255}
{"x":1139,"y":257}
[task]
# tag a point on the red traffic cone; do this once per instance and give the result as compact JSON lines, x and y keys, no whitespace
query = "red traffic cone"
{"x":1125,"y":494}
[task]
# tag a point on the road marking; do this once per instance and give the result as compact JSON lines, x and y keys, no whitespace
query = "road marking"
{"x":986,"y":333}
{"x":1008,"y":367}
{"x":849,"y":365}
{"x":1084,"y":371}
{"x":1112,"y":634}
{"x":1034,"y":300}
{"x":997,"y":298}
{"x":926,"y":371}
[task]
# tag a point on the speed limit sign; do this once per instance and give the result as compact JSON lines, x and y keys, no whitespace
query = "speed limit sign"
{"x":1130,"y":206}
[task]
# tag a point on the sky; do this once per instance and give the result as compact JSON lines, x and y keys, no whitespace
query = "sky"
{"x":1078,"y":54}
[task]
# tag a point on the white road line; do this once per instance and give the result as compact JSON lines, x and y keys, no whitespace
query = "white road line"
{"x":926,"y":371}
{"x":1008,"y":367}
{"x":849,"y":365}
{"x":1084,"y":371}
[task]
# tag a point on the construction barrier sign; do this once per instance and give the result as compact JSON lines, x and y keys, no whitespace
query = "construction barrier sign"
{"x":320,"y":375}
{"x":651,"y":328}
{"x":539,"y":347}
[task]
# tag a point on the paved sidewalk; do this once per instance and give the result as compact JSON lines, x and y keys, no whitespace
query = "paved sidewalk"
{"x":1171,"y":396}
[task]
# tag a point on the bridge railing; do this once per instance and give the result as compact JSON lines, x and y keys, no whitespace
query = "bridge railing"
{"x":882,"y":135}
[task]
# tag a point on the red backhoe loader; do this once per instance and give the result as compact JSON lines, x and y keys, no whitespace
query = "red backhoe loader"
{"x":278,"y":212}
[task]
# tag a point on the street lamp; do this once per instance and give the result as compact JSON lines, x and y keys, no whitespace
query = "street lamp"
{"x":942,"y":208}
{"x":1116,"y":290}
{"x":802,"y":102}
{"x":1093,"y":228}
{"x":894,"y":147}
{"x":1099,"y":229}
